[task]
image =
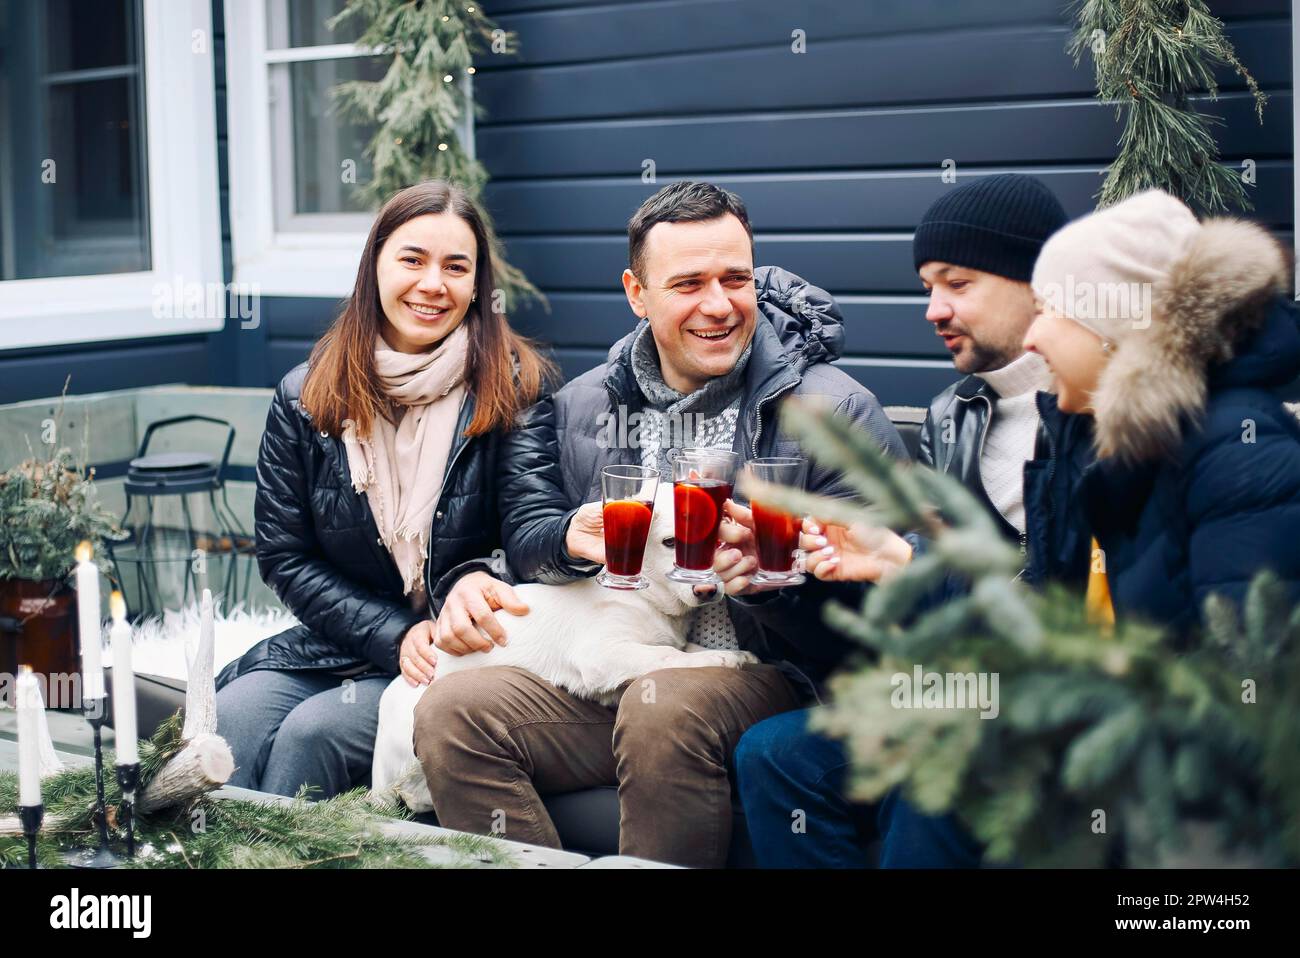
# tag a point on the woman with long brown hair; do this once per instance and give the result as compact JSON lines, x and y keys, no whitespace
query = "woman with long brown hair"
{"x":375,"y":477}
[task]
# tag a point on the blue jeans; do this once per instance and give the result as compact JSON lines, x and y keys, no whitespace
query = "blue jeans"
{"x":288,"y":729}
{"x":792,"y":785}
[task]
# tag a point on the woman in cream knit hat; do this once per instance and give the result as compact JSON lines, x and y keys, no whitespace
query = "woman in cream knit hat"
{"x":1174,"y":337}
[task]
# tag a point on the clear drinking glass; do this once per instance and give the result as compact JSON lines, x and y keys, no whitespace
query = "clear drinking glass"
{"x":628,"y":493}
{"x":776,"y":533}
{"x":702,"y":482}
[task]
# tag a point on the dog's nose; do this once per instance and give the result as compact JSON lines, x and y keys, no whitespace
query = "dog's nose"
{"x":707,"y":594}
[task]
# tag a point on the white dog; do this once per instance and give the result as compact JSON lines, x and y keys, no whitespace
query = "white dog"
{"x":580,"y":636}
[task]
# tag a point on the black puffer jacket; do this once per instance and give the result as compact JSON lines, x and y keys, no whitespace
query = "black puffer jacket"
{"x":552,"y":463}
{"x":318,"y":546}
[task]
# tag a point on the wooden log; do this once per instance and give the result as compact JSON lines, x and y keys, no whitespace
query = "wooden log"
{"x":204,"y":764}
{"x":12,"y":825}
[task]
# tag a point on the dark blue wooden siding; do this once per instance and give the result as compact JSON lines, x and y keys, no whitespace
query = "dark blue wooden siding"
{"x":837,"y":151}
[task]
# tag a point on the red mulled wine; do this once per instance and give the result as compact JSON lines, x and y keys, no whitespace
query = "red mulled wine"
{"x":776,"y":538}
{"x":627,"y":523}
{"x":697,"y":513}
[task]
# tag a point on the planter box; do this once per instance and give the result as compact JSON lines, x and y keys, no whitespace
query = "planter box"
{"x":38,"y":627}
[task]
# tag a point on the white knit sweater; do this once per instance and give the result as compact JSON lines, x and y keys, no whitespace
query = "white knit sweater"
{"x":1009,"y":442}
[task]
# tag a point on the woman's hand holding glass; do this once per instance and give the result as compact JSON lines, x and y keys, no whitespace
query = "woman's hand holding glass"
{"x":856,"y":553}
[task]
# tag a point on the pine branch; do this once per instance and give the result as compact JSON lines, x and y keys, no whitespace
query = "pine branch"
{"x":417,"y":106}
{"x":1160,"y":740}
{"x":1149,"y":56}
{"x":343,"y":832}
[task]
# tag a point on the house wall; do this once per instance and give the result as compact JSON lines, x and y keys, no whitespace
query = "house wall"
{"x":837,"y":151}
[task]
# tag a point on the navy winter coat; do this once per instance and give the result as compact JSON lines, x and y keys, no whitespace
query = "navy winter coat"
{"x":1225,"y":506}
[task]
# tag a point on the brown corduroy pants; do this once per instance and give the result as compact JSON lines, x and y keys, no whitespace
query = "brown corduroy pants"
{"x":493,"y":740}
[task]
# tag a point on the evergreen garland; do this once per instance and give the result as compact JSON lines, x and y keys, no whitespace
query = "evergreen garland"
{"x":341,"y":832}
{"x":1167,"y":744}
{"x":417,"y":105}
{"x":1149,"y":56}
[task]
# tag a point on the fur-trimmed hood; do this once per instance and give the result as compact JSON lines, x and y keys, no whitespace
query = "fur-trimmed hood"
{"x":1216,"y":296}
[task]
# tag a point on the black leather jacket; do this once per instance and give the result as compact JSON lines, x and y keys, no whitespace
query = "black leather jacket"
{"x":952,"y":438}
{"x":318,"y":546}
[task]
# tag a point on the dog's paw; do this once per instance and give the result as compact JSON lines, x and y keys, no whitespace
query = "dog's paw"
{"x":724,"y":659}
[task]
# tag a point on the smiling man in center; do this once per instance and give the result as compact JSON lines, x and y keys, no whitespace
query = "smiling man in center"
{"x":718,"y":344}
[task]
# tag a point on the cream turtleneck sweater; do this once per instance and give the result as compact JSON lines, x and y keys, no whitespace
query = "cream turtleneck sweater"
{"x":1009,"y":442}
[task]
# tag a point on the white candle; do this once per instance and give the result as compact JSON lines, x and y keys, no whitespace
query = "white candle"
{"x":123,"y":684}
{"x":29,"y":747}
{"x":92,"y":669}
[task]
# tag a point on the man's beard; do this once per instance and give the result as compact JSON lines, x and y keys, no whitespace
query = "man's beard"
{"x":977,"y":358}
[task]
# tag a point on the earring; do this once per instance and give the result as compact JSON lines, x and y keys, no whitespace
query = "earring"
{"x":1107,"y":346}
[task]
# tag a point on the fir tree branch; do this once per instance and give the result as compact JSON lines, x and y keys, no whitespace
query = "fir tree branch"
{"x":1149,"y":56}
{"x":417,"y":106}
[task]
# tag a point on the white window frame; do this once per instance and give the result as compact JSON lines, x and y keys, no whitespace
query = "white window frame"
{"x":301,"y":254}
{"x":183,"y":202}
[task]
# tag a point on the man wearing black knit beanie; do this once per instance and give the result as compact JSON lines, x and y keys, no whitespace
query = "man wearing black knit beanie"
{"x":975,"y":250}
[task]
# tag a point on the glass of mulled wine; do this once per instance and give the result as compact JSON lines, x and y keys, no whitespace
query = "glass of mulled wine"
{"x":702,"y":482}
{"x":628,"y":493}
{"x":776,"y":533}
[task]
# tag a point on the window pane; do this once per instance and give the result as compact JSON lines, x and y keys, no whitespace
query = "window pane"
{"x":321,"y":142}
{"x":72,"y":130}
{"x":92,"y":136}
{"x":86,"y":34}
{"x":301,"y":23}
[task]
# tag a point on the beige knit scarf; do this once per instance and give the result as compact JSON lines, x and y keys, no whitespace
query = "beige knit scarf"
{"x":400,"y":466}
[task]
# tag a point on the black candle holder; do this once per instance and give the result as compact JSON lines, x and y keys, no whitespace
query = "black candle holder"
{"x":128,"y":778}
{"x":31,"y":817}
{"x":104,"y":856}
